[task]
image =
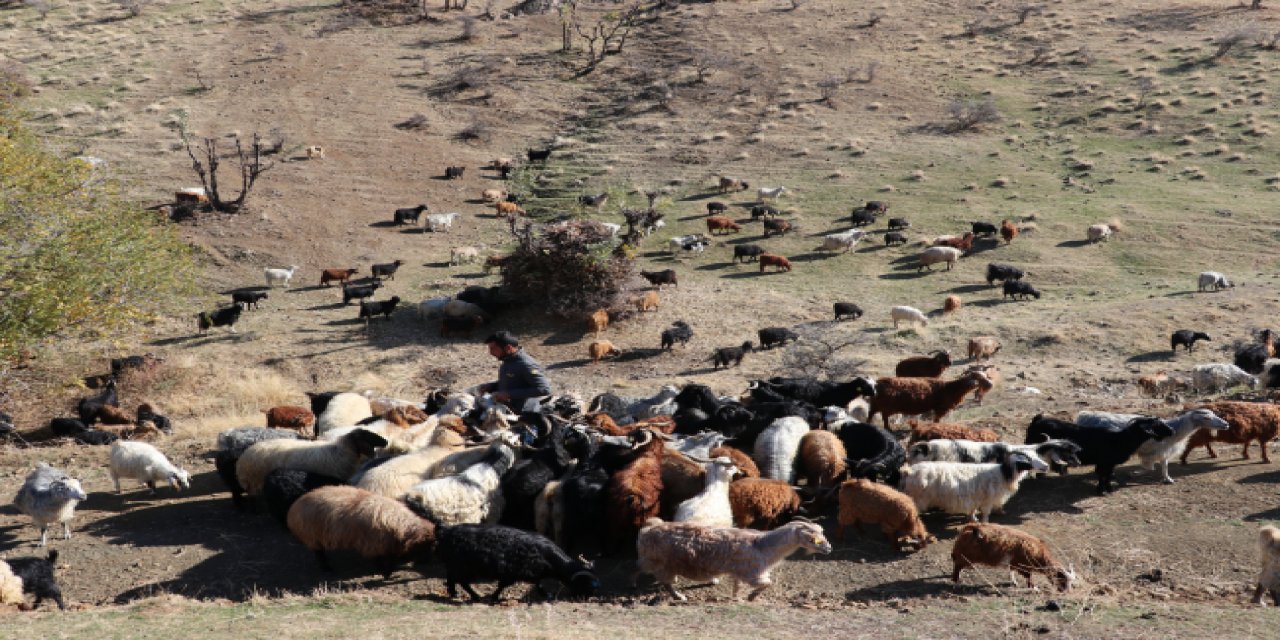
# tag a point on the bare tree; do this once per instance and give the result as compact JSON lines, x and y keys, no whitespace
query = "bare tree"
{"x":970,"y":114}
{"x":1229,"y":40}
{"x":206,"y":160}
{"x":1145,"y":85}
{"x":707,"y":61}
{"x":1039,"y":55}
{"x":821,"y":356}
{"x":872,"y":20}
{"x":608,"y":35}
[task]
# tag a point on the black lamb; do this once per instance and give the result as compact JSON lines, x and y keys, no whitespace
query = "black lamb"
{"x":679,"y":331}
{"x":225,"y":317}
{"x":37,"y":577}
{"x":724,"y":355}
{"x":770,"y":336}
{"x":473,"y":552}
{"x":847,"y":310}
{"x":374,"y":308}
{"x":984,"y":228}
{"x":67,"y":426}
{"x":1002,"y":272}
{"x":1186,"y":338}
{"x":862,"y":217}
{"x":95,"y":437}
{"x":249,"y":299}
{"x":1019,"y":290}
{"x":1253,"y":358}
{"x":872,"y":452}
{"x":1103,"y":447}
{"x":747,"y":252}
{"x":524,"y":482}
{"x":358,"y":292}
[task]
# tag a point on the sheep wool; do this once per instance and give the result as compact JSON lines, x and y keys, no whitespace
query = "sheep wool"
{"x":338,"y":459}
{"x":143,"y":462}
{"x":866,"y":501}
{"x":347,"y":518}
{"x":10,"y":586}
{"x":344,"y":410}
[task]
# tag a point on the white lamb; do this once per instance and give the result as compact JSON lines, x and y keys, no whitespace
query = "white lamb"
{"x":472,"y":497}
{"x":280,"y":276}
{"x":842,"y":242}
{"x":441,"y":221}
{"x":908,"y":314}
{"x":1166,"y":449}
{"x":1099,"y":232}
{"x":433,"y":307}
{"x":711,"y":507}
{"x":1220,"y":375}
{"x":777,"y":446}
{"x":463,"y":255}
{"x":967,"y":489}
{"x":141,"y":461}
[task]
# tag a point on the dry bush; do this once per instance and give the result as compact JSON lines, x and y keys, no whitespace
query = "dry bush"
{"x":470,"y":29}
{"x":14,"y":82}
{"x":1231,"y":39}
{"x":133,"y":7}
{"x":568,"y":268}
{"x":476,"y":132}
{"x":415,"y":122}
{"x":822,"y":356}
{"x":967,"y":115}
{"x":41,"y":7}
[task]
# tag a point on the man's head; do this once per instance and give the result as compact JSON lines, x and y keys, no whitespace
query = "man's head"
{"x":502,"y":344}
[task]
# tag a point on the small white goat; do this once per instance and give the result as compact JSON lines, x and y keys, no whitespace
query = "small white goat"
{"x":967,"y":489}
{"x":1163,"y":450}
{"x":908,"y":314}
{"x":711,"y":507}
{"x":767,"y":193}
{"x":842,"y":242}
{"x":279,"y":276}
{"x":141,"y":461}
{"x":441,"y":221}
{"x":463,"y":255}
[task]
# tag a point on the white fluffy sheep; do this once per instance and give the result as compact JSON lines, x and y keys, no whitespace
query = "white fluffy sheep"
{"x":141,"y":461}
{"x":397,"y":476}
{"x":279,"y":276}
{"x":441,"y":221}
{"x":1220,"y":375}
{"x":459,"y":461}
{"x":343,"y":410}
{"x":711,"y":507}
{"x":474,"y":496}
{"x":1165,"y":449}
{"x":905,"y":313}
{"x":338,"y":459}
{"x":939,"y":255}
{"x":776,"y":448}
{"x":1099,"y":232}
{"x":49,"y":495}
{"x":843,"y":242}
{"x":963,"y":488}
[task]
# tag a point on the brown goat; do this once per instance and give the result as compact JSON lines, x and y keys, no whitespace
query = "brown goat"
{"x":292,"y":417}
{"x":647,"y":302}
{"x":963,"y":243}
{"x":1249,"y":421}
{"x":820,"y":459}
{"x":779,"y":263}
{"x":505,"y":209}
{"x":341,"y":276}
{"x":930,"y":366}
{"x":721,"y":223}
{"x":983,"y":347}
{"x":114,"y":415}
{"x":997,"y":545}
{"x":632,"y":494}
{"x":866,"y":501}
{"x":914,"y":396}
{"x":602,"y":349}
{"x":761,"y":503}
{"x":746,"y":466}
{"x":948,"y":431}
{"x":991,"y":375}
{"x":1008,"y":231}
{"x":597,"y":322}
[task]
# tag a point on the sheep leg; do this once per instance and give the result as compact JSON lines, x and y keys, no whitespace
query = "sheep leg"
{"x":451,"y":588}
{"x":671,"y":588}
{"x":960,"y":565}
{"x":323,"y":560}
{"x":1209,"y":447}
{"x":44,"y":535}
{"x":117,"y":481}
{"x":1164,"y":468}
{"x":66,"y":530}
{"x":152,"y":486}
{"x":762,"y":584}
{"x":475,"y":597}
{"x":497,"y":593}
{"x":1262,"y":444}
{"x":1257,"y":594}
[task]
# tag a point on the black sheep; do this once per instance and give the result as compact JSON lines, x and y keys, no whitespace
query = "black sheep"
{"x":409,"y":215}
{"x":747,"y":252}
{"x":454,"y":173}
{"x":387,"y":270}
{"x":225,"y":317}
{"x":862,"y":218}
{"x":724,"y":355}
{"x":763,"y":414}
{"x":1103,"y":447}
{"x":490,"y":299}
{"x":320,"y":400}
{"x":897,"y":224}
{"x":716,"y":208}
{"x":249,"y":299}
{"x":877,"y":207}
{"x":88,"y":408}
{"x":679,"y":331}
{"x":358,"y":291}
{"x":375,"y":308}
{"x":1018,"y":289}
{"x":37,"y":577}
{"x":872,"y":452}
{"x":984,"y":228}
{"x":895,"y":237}
{"x":659,"y":278}
{"x":770,"y":336}
{"x":95,"y":437}
{"x":847,"y":310}
{"x":473,"y":552}
{"x":764,"y":211}
{"x":524,"y":482}
{"x":1253,"y":358}
{"x":1002,"y":272}
{"x":1186,"y":338}
{"x":224,"y":462}
{"x":67,"y":426}
{"x":818,"y":393}
{"x":282,"y":487}
{"x":539,"y":155}
{"x":146,"y":413}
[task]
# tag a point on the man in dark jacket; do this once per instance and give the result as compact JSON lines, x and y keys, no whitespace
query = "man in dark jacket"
{"x":520,"y":377}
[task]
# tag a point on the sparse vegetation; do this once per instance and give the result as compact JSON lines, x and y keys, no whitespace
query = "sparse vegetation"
{"x":567,"y":268}
{"x":968,"y":115}
{"x":206,"y":160}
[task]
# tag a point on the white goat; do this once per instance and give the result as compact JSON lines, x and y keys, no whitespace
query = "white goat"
{"x":49,"y":495}
{"x":908,"y":314}
{"x":969,"y":451}
{"x":842,"y":242}
{"x":777,"y":447}
{"x":711,"y":507}
{"x":1164,"y":450}
{"x":967,"y":489}
{"x":141,"y":461}
{"x":1220,"y":375}
{"x":463,"y":255}
{"x":279,"y":276}
{"x":474,"y":496}
{"x":441,"y":221}
{"x":767,"y":193}
{"x":433,"y":307}
{"x":1099,"y":232}
{"x":1214,"y":280}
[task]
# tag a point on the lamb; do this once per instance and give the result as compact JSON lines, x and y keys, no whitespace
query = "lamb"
{"x":341,"y":276}
{"x":725,"y":355}
{"x":847,"y":310}
{"x":248,"y":299}
{"x":49,"y":496}
{"x":1008,"y":231}
{"x":938,"y":255}
{"x":1213,"y":280}
{"x":761,"y":503}
{"x":491,"y":196}
{"x":862,"y":500}
{"x":894,"y":237}
{"x":779,"y":263}
{"x":442,"y":221}
{"x":473,"y":496}
{"x":1162,"y":451}
{"x":505,"y":209}
{"x":1249,"y":421}
{"x":1104,"y":448}
{"x":820,"y":459}
{"x":747,"y":252}
{"x":339,"y":458}
{"x":601,"y":349}
{"x":1002,"y":273}
{"x":409,"y":215}
{"x":897,"y":224}
{"x":997,"y":545}
{"x":728,"y":184}
{"x":647,"y":302}
{"x":225,"y":317}
{"x":770,"y":336}
{"x":777,"y":226}
{"x":770,"y":193}
{"x":914,"y":396}
{"x":279,"y":276}
{"x":1017,"y":289}
{"x":342,"y":410}
{"x":376,"y":527}
{"x":861,"y":217}
{"x":454,"y":173}
{"x":842,"y":242}
{"x":721,"y":223}
{"x":374,"y":308}
{"x":472,"y":553}
{"x":1269,"y":577}
{"x":35,"y":576}
{"x":967,"y":489}
{"x":777,"y":446}
{"x":632,"y":493}
{"x":670,"y":550}
{"x":711,"y":508}
{"x":141,"y":461}
{"x":386,"y":270}
{"x":930,"y":366}
{"x":597,"y":322}
{"x":299,"y":419}
{"x":359,"y":291}
{"x":1220,"y":375}
{"x":950,"y":305}
{"x":905,"y":313}
{"x":983,"y":347}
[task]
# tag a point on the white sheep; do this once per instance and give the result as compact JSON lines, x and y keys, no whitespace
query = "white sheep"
{"x":463,"y":255}
{"x":843,"y":242}
{"x":343,"y":410}
{"x":49,"y":495}
{"x":1220,"y":375}
{"x":612,"y":227}
{"x":938,"y":255}
{"x":432,"y":308}
{"x":315,"y":151}
{"x":711,"y":507}
{"x":1165,"y":449}
{"x":141,"y":461}
{"x":904,"y":313}
{"x":1099,"y":232}
{"x":777,"y":446}
{"x":474,"y":496}
{"x":962,"y":488}
{"x":1213,"y":279}
{"x":459,"y":461}
{"x":279,"y":276}
{"x":397,"y":476}
{"x":767,"y":193}
{"x":972,"y":451}
{"x":441,"y":221}
{"x":338,"y":459}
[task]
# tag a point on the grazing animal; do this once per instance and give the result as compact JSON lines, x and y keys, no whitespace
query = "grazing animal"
{"x":862,"y":217}
{"x":1017,"y":289}
{"x":597,"y":322}
{"x":1002,"y":272}
{"x":386,"y":270}
{"x":90,"y":408}
{"x":279,"y":276}
{"x":996,"y":545}
{"x":1186,"y":338}
{"x":454,"y":173}
{"x":693,"y":243}
{"x":930,"y":366}
{"x":761,"y":503}
{"x":1008,"y":231}
{"x":983,"y":228}
{"x":465,"y":255}
{"x":820,"y":460}
{"x":983,"y":347}
{"x":35,"y":576}
{"x":48,"y":495}
{"x":1269,"y":577}
{"x":967,"y":489}
{"x":779,"y":263}
{"x":679,"y":331}
{"x":374,"y":308}
{"x":777,"y":446}
{"x":770,"y":193}
{"x":473,"y":553}
{"x":964,"y":242}
{"x":539,"y":155}
{"x":862,"y":500}
{"x":409,"y":215}
{"x":1252,"y":358}
{"x":895,"y":237}
{"x":1099,"y":232}
{"x":777,"y":226}
{"x":358,"y":291}
{"x":747,"y":252}
{"x":1166,"y":449}
{"x":505,"y":209}
{"x":283,"y":487}
{"x":898,"y":224}
{"x":141,"y":461}
{"x":1249,"y":421}
{"x":938,"y":255}
{"x":1220,"y":375}
{"x":721,"y":223}
{"x":1212,"y":280}
{"x":914,"y":396}
{"x":764,"y":211}
{"x":341,"y":276}
{"x":842,"y":242}
{"x":602,"y":349}
{"x":724,"y":355}
{"x":670,"y":550}
{"x":473,"y":496}
{"x":340,"y":518}
{"x":441,"y":221}
{"x":495,"y":262}
{"x":315,"y":151}
{"x":1104,"y":448}
{"x":770,"y":336}
{"x":878,"y":207}
{"x":647,"y":302}
{"x":248,"y":299}
{"x":728,"y":184}
{"x":905,"y":313}
{"x":951,"y":305}
{"x":659,"y":278}
{"x":225,"y":317}
{"x":716,"y":208}
{"x":490,"y":196}
{"x":846,"y":310}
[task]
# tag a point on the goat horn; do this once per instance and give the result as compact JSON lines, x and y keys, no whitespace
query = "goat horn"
{"x":646,"y":436}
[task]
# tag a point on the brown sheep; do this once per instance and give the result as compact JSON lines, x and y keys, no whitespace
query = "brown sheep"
{"x":597,"y":322}
{"x":930,"y":366}
{"x":949,"y":431}
{"x":951,"y":305}
{"x":405,"y":416}
{"x":505,"y":209}
{"x":602,"y":349}
{"x":1249,"y":421}
{"x":866,"y":501}
{"x":721,"y":223}
{"x":1269,"y":577}
{"x":292,"y":417}
{"x":914,"y":396}
{"x":779,"y":263}
{"x":632,"y":494}
{"x":114,"y":415}
{"x":997,"y":545}
{"x":647,"y":302}
{"x":495,"y":262}
{"x":1008,"y":231}
{"x":820,"y":459}
{"x":963,"y":243}
{"x":983,"y":347}
{"x":341,"y":276}
{"x":746,"y":466}
{"x":346,"y":518}
{"x":760,"y":503}
{"x":605,"y":424}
